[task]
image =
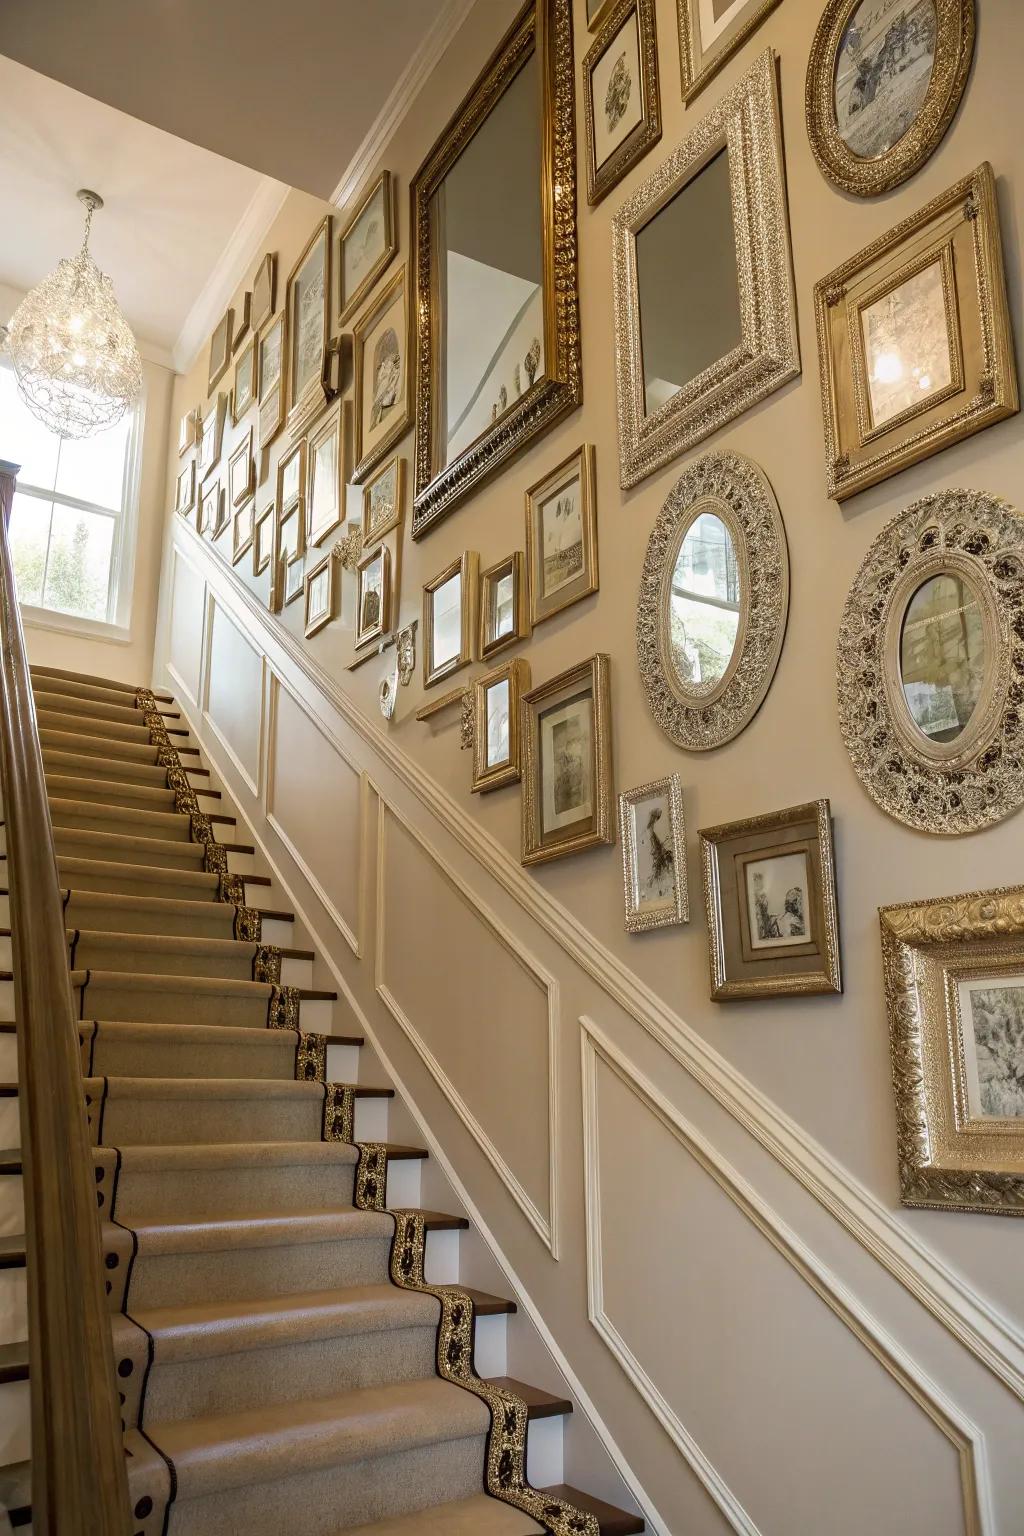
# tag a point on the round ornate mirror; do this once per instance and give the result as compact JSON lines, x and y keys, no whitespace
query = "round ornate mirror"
{"x":713,"y":601}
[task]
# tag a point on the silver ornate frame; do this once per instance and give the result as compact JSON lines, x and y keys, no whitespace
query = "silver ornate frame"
{"x":746,"y":122}
{"x":737,"y":491}
{"x":637,"y":920}
{"x":978,"y":779}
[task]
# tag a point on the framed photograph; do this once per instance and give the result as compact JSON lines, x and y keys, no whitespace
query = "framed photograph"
{"x":914,"y":339}
{"x":653,"y":835}
{"x":263,"y":533}
{"x":321,"y":594}
{"x":291,"y":478}
{"x":383,"y":376}
{"x":308,"y":329}
{"x":883,"y":85}
{"x":367,"y":244}
{"x":294,"y":577}
{"x":384,"y":500}
{"x":264,"y":291}
{"x":373,"y":586}
{"x":621,"y":106}
{"x":561,"y":536}
{"x":326,"y":477}
{"x":242,"y":530}
{"x":710,"y":31}
{"x":210,"y":520}
{"x":211,"y":438}
{"x":503,"y":616}
{"x":270,"y":379}
{"x":244,"y":393}
{"x":497,"y":736}
{"x":243,"y":321}
{"x":185,"y":490}
{"x":242,"y":472}
{"x":449,"y":612}
{"x":567,"y":763}
{"x":220,"y":351}
{"x":770,"y":897}
{"x":188,"y":431}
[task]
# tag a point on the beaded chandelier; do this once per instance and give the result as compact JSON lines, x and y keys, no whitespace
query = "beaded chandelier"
{"x":76,"y":362}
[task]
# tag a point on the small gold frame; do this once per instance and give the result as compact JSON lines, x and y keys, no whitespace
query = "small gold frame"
{"x":601,"y":179}
{"x":242,"y":530}
{"x":242,"y":322}
{"x":294,"y":578}
{"x":375,"y":531}
{"x":287,"y":499}
{"x":578,"y":466}
{"x":349,"y":303}
{"x":332,"y":426}
{"x":698,"y":64}
{"x":326,"y":564}
{"x":466,"y":566}
{"x":317,"y":390}
{"x":212,"y":495}
{"x":211,"y":439}
{"x":959,"y":233}
{"x":491,"y":644}
{"x":261,"y":554}
{"x":742,"y":963}
{"x":589,"y":677}
{"x":188,"y":430}
{"x":950,"y":1156}
{"x":485,"y":777}
{"x":264,"y":292}
{"x":367,"y":633}
{"x":640,"y":918}
{"x":220,"y":350}
{"x":272,"y":393}
{"x":367,"y":458}
{"x":223,"y":517}
{"x":595,"y":22}
{"x":185,"y":489}
{"x":245,"y":381}
{"x":242,"y":472}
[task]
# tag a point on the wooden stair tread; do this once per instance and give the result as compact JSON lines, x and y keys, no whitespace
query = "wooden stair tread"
{"x":10,"y":1161}
{"x":398,"y":1152}
{"x":612,"y":1521}
{"x":539,"y":1404}
{"x":433,"y":1221}
{"x":486,"y":1305}
{"x":12,"y":1251}
{"x":14,"y":1362}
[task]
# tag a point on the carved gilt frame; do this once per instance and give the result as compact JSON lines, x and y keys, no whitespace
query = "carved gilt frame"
{"x":466,"y":566}
{"x":319,"y":390}
{"x":601,"y":179}
{"x":382,"y":554}
{"x":264,"y":293}
{"x":348,"y":303}
{"x":697,"y":64}
{"x":593,"y":676}
{"x":371,"y":535}
{"x":513,"y":565}
{"x":485,"y":778}
{"x":639,"y":919}
{"x":368,"y":458}
{"x":326,"y":564}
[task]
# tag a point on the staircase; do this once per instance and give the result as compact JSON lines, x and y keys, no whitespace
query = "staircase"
{"x":282,"y":1362}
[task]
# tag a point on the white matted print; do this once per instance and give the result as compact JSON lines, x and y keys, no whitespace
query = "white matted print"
{"x":655,"y":856}
{"x":617,"y":93}
{"x":561,"y":521}
{"x":778,"y":900}
{"x":567,"y":757}
{"x":383,"y":374}
{"x":992,"y":1029}
{"x":883,"y":72}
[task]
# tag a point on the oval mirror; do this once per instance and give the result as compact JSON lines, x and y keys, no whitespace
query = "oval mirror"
{"x":703,"y":612}
{"x":942,"y":655}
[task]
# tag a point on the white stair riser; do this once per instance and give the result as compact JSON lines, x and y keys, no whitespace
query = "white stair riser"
{"x":404,"y":1182}
{"x":296,"y":973}
{"x":441,"y":1265}
{"x":371,"y":1119}
{"x":276,"y":932}
{"x":316,"y":1016}
{"x":342,"y":1060}
{"x":544,"y":1459}
{"x":490,"y":1345}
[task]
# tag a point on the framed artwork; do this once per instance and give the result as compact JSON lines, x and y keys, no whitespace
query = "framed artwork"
{"x":185,"y":490}
{"x":883,"y":85}
{"x":710,"y":31}
{"x":209,"y":509}
{"x":242,"y":530}
{"x":294,"y":577}
{"x":597,"y":12}
{"x":290,"y":536}
{"x":384,"y":500}
{"x":653,"y":834}
{"x":366,"y":246}
{"x":561,"y":536}
{"x":308,"y":329}
{"x":449,"y":612}
{"x":383,"y":394}
{"x":243,"y":321}
{"x":270,"y":379}
{"x":263,"y":533}
{"x":242,"y":472}
{"x":373,"y":602}
{"x":188,"y":431}
{"x":676,"y":383}
{"x":244,"y":392}
{"x":567,"y":763}
{"x":220,"y":350}
{"x":621,"y":106}
{"x":497,"y":705}
{"x":291,"y":478}
{"x":325,"y":465}
{"x":954,"y":991}
{"x":503,"y":616}
{"x":320,"y":587}
{"x":770,"y":897}
{"x":914,"y":339}
{"x":212,"y":437}
{"x":264,"y":291}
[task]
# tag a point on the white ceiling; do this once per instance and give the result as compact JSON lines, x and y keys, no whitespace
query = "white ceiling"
{"x":171,"y":208}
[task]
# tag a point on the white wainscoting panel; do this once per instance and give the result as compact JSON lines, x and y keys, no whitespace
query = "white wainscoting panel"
{"x":233,"y":702}
{"x":186,"y":626}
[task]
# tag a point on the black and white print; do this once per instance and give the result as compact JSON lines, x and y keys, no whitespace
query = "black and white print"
{"x":567,"y":763}
{"x":656,"y":872}
{"x":778,"y":901}
{"x":617,"y":96}
{"x":883,"y":71}
{"x":992,"y":1016}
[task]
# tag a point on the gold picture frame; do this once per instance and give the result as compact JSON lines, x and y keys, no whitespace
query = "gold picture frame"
{"x":448,"y":641}
{"x":377,"y":344}
{"x":375,"y":566}
{"x":220,"y":350}
{"x":242,"y":521}
{"x":497,"y":724}
{"x":326,"y":476}
{"x":243,"y":395}
{"x":264,"y":291}
{"x":242,"y":471}
{"x":321,"y":594}
{"x":185,"y":489}
{"x":294,"y":578}
{"x":745,"y":127}
{"x":655,"y":883}
{"x":772,"y":932}
{"x":264,"y":531}
{"x":308,"y":308}
{"x":188,"y":430}
{"x":881,"y":143}
{"x":272,"y":350}
{"x":938,"y":276}
{"x":210,"y":516}
{"x":954,"y":985}
{"x":384,"y":500}
{"x":503,"y":606}
{"x":562,"y":569}
{"x":631,"y":81}
{"x":581,"y":781}
{"x":243,"y":321}
{"x":700,"y":57}
{"x":379,"y":200}
{"x":211,"y":439}
{"x":595,"y":12}
{"x":291,"y":479}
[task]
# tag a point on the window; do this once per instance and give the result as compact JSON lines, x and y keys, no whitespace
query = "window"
{"x":72,"y":523}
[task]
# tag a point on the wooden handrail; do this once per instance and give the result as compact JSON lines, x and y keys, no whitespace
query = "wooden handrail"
{"x":79,"y":1485}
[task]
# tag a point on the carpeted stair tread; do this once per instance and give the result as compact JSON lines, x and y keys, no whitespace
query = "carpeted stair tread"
{"x":612,"y":1521}
{"x":106,"y":875}
{"x":124,"y":821}
{"x":87,"y":680}
{"x":121,"y":1048}
{"x":477,"y":1516}
{"x":227,"y":958}
{"x":146,"y":916}
{"x":122,"y":848}
{"x":56,"y":739}
{"x":155,"y":981}
{"x":69,"y":720}
{"x":120,"y":714}
{"x":209,"y":1157}
{"x":99,"y":769}
{"x":221,"y":1089}
{"x":271,"y":1229}
{"x":116,"y":792}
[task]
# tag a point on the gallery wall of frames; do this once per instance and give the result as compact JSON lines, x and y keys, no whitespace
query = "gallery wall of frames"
{"x":639,"y":450}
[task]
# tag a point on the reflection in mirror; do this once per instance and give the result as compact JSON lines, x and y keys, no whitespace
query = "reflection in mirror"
{"x":704,"y":613}
{"x":487,"y":221}
{"x":942,"y":655}
{"x":447,"y":600}
{"x":687,"y":285}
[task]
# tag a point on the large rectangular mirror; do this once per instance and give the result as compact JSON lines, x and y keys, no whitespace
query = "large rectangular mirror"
{"x":494,"y":250}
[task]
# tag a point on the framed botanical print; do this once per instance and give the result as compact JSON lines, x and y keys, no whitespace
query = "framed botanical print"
{"x":320,"y":594}
{"x":185,"y":490}
{"x":367,"y":244}
{"x":653,"y":835}
{"x":270,"y":378}
{"x":449,"y":612}
{"x":770,"y":897}
{"x":383,"y":377}
{"x":308,"y":329}
{"x":373,"y":602}
{"x":212,"y":437}
{"x":244,"y":392}
{"x":383,"y":500}
{"x":188,"y":431}
{"x":567,"y":763}
{"x":210,"y":509}
{"x":561,"y":536}
{"x":497,"y":702}
{"x":914,"y":339}
{"x":220,"y":350}
{"x":621,"y":106}
{"x":242,"y":529}
{"x":325,"y":499}
{"x":263,"y":532}
{"x":242,"y":472}
{"x":264,"y":291}
{"x":954,"y":991}
{"x":291,"y":478}
{"x":503,"y":616}
{"x":710,"y":31}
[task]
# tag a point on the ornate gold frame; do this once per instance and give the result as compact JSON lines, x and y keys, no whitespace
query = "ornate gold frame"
{"x":244,"y":321}
{"x":348,"y":306}
{"x":242,"y":454}
{"x":297,"y":451}
{"x":365,"y":461}
{"x":333,"y":423}
{"x":698,"y":65}
{"x":317,"y":393}
{"x":272,"y":400}
{"x":517,"y":673}
{"x":377,"y":631}
{"x":648,"y":131}
{"x":249,"y":352}
{"x":596,"y":21}
{"x":467,"y":565}
{"x":954,"y":49}
{"x":266,"y":273}
{"x":746,"y":122}
{"x":219,"y":363}
{"x":579,"y":465}
{"x":737,"y":491}
{"x":535,"y":850}
{"x":959,"y":230}
{"x":328,"y":563}
{"x":949,"y":1160}
{"x":395,"y":520}
{"x":261,"y":561}
{"x":824,"y":913}
{"x":513,"y":565}
{"x":636,"y":918}
{"x":544,"y":25}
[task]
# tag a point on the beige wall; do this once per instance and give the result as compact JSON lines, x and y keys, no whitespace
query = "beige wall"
{"x":773,"y":1343}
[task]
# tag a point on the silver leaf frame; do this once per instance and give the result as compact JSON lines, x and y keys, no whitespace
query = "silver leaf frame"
{"x":746,"y":122}
{"x":638,"y":919}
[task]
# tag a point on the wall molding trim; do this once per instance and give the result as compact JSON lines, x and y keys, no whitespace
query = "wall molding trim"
{"x":212,"y":602}
{"x":946,"y":1295}
{"x":964,"y":1436}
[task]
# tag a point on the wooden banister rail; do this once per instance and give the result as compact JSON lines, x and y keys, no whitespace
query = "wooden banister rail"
{"x":79,"y":1485}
